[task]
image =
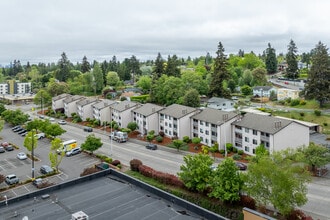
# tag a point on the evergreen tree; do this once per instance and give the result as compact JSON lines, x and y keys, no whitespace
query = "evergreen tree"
{"x":104,"y":68}
{"x":113,"y":64}
{"x":318,"y":81}
{"x":220,"y":74}
{"x":172,"y":66}
{"x":159,"y":67}
{"x":270,"y":60}
{"x":291,"y":59}
{"x":98,"y":78}
{"x":63,"y":68}
{"x":85,"y":66}
{"x":306,"y":58}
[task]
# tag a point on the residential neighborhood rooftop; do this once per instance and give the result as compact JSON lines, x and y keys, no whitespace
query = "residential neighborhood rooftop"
{"x":104,"y":103}
{"x":73,"y":98}
{"x":86,"y":101}
{"x":61,"y":96}
{"x":148,"y":109}
{"x":214,"y":116}
{"x":121,"y":106}
{"x":177,"y":111}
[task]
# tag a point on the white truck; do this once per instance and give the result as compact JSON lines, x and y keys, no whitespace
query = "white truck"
{"x":119,"y":136}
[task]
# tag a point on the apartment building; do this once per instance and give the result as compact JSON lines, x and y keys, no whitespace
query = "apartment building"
{"x":221,"y":104}
{"x":274,"y":133}
{"x":122,"y":112}
{"x":57,"y":101}
{"x":213,"y":126}
{"x":102,"y":111}
{"x":174,"y":120}
{"x":147,"y":117}
{"x":85,"y":109}
{"x":70,"y":104}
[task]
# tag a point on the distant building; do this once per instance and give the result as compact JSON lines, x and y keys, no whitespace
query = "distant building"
{"x":263,"y":91}
{"x":15,"y":87}
{"x":283,"y":93}
{"x":221,"y":104}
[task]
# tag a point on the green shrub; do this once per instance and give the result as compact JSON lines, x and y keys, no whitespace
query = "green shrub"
{"x":196,"y":140}
{"x":234,"y":149}
{"x":152,"y":132}
{"x":295,"y":102}
{"x":302,"y":114}
{"x":317,"y":112}
{"x":186,"y":139}
{"x":229,"y":147}
{"x":302,"y":102}
{"x":237,"y":157}
{"x":222,"y":151}
{"x":159,"y":139}
{"x":240,"y":152}
{"x":325,"y":124}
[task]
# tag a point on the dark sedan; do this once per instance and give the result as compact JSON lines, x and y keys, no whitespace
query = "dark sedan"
{"x":151,"y":146}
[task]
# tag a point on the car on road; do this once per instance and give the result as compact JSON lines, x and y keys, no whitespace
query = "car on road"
{"x":151,"y":146}
{"x":88,"y":129}
{"x":2,"y":150}
{"x":11,"y":179}
{"x":9,"y":148}
{"x":21,"y":156}
{"x":241,"y":166}
{"x":62,"y":122}
{"x":45,"y":169}
{"x":73,"y":151}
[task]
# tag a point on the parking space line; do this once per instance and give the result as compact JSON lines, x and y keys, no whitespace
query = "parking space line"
{"x":26,"y":188}
{"x":12,"y":190}
{"x":10,"y":163}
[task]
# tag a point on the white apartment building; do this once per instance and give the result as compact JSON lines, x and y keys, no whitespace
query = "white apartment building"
{"x":147,"y":117}
{"x":274,"y":133}
{"x":122,"y":113}
{"x":57,"y":101}
{"x":221,"y":104}
{"x":174,"y":120}
{"x":85,"y":109}
{"x":70,"y":104}
{"x":213,"y":126}
{"x":101,"y":110}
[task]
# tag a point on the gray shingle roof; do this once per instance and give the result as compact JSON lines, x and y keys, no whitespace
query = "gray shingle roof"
{"x":62,"y":96}
{"x":86,"y":102}
{"x":73,"y":98}
{"x":218,"y":100}
{"x":104,"y":103}
{"x":177,"y":111}
{"x":124,"y":105}
{"x":148,"y":109}
{"x":264,"y":123}
{"x":214,"y":116}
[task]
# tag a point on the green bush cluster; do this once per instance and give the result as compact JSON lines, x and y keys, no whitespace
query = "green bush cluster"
{"x":186,"y":139}
{"x":240,"y":152}
{"x":141,"y":98}
{"x":159,"y":139}
{"x":317,"y":112}
{"x":237,"y":157}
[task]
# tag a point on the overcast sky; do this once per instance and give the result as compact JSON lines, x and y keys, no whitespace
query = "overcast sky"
{"x":40,"y":30}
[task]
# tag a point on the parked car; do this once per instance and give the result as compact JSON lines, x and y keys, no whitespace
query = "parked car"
{"x":45,"y":169}
{"x":38,"y":182}
{"x":22,"y":131}
{"x":17,"y":126}
{"x":73,"y":151}
{"x":9,"y":148}
{"x":151,"y":146}
{"x":2,"y":150}
{"x":241,"y":166}
{"x":40,"y":135}
{"x":88,"y":129}
{"x":62,"y":122}
{"x":11,"y":179}
{"x":21,"y":156}
{"x":24,"y":134}
{"x":4,"y":144}
{"x":18,"y":129}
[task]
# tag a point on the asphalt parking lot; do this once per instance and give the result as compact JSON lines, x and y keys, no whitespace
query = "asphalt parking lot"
{"x":70,"y":167}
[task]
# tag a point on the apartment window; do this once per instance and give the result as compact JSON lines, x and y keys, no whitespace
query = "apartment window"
{"x":165,"y":116}
{"x":170,"y":132}
{"x":201,"y":123}
{"x":170,"y":125}
{"x":247,"y":149}
{"x":165,"y":123}
{"x":254,"y":151}
{"x":255,"y":141}
{"x":255,"y":132}
{"x":206,"y":141}
{"x":207,"y":124}
{"x":207,"y":132}
{"x":201,"y":130}
{"x":262,"y":133}
{"x":214,"y":133}
{"x":195,"y":120}
{"x":201,"y":139}
{"x":246,"y":130}
{"x":267,"y":135}
{"x":246,"y":139}
{"x":166,"y":131}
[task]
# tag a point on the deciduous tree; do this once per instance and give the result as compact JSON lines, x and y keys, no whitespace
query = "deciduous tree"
{"x":226,"y":183}
{"x":91,"y":143}
{"x":54,"y":157}
{"x":196,"y":173}
{"x":191,"y":98}
{"x":315,"y":155}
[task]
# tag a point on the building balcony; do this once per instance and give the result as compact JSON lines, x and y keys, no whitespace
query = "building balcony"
{"x":238,"y":140}
{"x":238,"y":130}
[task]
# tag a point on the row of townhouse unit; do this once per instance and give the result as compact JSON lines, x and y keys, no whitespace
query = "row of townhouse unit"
{"x":245,"y":132}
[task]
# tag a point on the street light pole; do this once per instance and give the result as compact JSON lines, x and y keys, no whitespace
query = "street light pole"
{"x":111,"y":137}
{"x":32,"y":154}
{"x":261,"y":97}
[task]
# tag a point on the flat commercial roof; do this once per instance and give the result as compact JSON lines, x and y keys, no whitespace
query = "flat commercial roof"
{"x":107,"y":197}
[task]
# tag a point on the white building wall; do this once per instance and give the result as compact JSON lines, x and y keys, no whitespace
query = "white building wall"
{"x":152,"y":123}
{"x":183,"y":126}
{"x":293,"y":136}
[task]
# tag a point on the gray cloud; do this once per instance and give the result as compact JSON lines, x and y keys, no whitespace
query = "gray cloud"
{"x":39,"y":31}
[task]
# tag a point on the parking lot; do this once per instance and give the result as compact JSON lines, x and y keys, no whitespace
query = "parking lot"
{"x":70,"y":167}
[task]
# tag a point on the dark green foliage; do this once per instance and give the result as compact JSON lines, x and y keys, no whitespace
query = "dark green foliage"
{"x":220,"y":74}
{"x":91,"y":143}
{"x":191,"y":98}
{"x":85,"y":66}
{"x":178,"y":144}
{"x":237,"y":157}
{"x":64,"y":67}
{"x":291,"y":59}
{"x":271,"y":61}
{"x":159,"y":139}
{"x":317,"y":112}
{"x":318,"y":81}
{"x":195,"y":140}
{"x":141,"y":98}
{"x":186,"y":139}
{"x":246,"y":90}
{"x":295,"y":102}
{"x":229,"y":147}
{"x":132,"y":126}
{"x":240,"y":152}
